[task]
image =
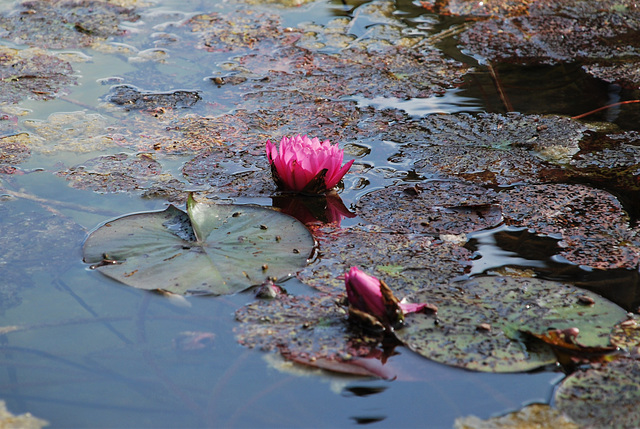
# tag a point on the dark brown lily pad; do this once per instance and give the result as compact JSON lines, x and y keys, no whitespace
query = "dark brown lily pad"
{"x":115,"y":173}
{"x":32,"y":73}
{"x":480,"y":323}
{"x":62,"y":24}
{"x":432,"y":208}
{"x":603,"y":396}
{"x":593,"y":228}
{"x":604,"y":33}
{"x":494,"y":149}
{"x":311,"y":330}
{"x":132,"y":98}
{"x":405,"y":262}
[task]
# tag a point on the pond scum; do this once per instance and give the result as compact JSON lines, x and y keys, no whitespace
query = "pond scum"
{"x":156,"y":103}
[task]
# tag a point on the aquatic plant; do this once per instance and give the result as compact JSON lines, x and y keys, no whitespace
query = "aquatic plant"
{"x":369,"y":296}
{"x":306,"y":165}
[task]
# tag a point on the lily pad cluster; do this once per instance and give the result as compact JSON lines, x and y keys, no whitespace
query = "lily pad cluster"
{"x":603,"y":35}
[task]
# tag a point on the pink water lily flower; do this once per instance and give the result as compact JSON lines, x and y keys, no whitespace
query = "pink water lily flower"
{"x":306,"y":165}
{"x":366,"y":294}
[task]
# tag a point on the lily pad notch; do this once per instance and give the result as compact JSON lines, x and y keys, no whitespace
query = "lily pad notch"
{"x":216,"y":249}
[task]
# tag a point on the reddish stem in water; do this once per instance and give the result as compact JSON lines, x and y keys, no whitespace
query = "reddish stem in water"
{"x":604,"y":107}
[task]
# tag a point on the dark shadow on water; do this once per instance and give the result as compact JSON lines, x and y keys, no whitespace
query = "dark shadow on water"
{"x":537,"y":255}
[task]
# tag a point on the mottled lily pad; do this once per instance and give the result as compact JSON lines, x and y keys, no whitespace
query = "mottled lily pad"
{"x":480,"y":323}
{"x":432,"y":208}
{"x":311,"y":330}
{"x":405,"y":262}
{"x":593,"y":228}
{"x":626,"y":335}
{"x":214,"y":249}
{"x":61,"y":24}
{"x":603,"y":396}
{"x":74,"y":131}
{"x":530,"y":417}
{"x":32,"y":73}
{"x":115,"y":173}
{"x":132,"y":98}
{"x":551,"y":32}
{"x":13,"y":150}
{"x":492,"y":148}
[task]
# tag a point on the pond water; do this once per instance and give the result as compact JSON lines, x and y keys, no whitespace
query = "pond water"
{"x":81,"y":350}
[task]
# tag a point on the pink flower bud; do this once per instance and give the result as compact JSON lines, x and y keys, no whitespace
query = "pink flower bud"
{"x":306,"y":165}
{"x":369,"y":297}
{"x":363,"y":293}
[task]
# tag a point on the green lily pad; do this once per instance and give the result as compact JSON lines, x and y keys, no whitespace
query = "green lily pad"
{"x":605,"y":396}
{"x":213,"y":248}
{"x":480,"y":323}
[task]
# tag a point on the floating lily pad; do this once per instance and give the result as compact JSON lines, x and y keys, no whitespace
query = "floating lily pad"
{"x":114,"y":173}
{"x":432,"y":208}
{"x":605,"y":33}
{"x":213,"y":248}
{"x":603,"y":396}
{"x":530,"y":417}
{"x":626,"y":335}
{"x":74,"y":131}
{"x":492,"y":148}
{"x":479,"y":322}
{"x":405,"y":262}
{"x":60,"y":24}
{"x":311,"y":330}
{"x":32,"y":73}
{"x":591,"y":223}
{"x":131,"y":98}
{"x":13,"y":150}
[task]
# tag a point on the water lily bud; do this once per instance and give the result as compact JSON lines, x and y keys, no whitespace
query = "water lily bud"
{"x":371,"y":301}
{"x":363,"y":293}
{"x":306,"y":165}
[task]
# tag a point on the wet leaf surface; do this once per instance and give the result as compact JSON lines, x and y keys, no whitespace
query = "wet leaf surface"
{"x":76,"y":132}
{"x":602,"y":396}
{"x":479,"y":322}
{"x":32,"y":73}
{"x":532,"y":416}
{"x":432,"y":208}
{"x":593,"y":228}
{"x":626,"y":335}
{"x":405,"y":262}
{"x":310,"y":330}
{"x":13,"y":151}
{"x":131,"y":98}
{"x":603,"y":34}
{"x":213,"y":249}
{"x":116,"y":173}
{"x":494,"y":149}
{"x":61,"y":24}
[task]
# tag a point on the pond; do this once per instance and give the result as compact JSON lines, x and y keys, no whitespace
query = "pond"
{"x":120,"y":107}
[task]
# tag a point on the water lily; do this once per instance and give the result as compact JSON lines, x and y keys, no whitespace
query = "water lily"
{"x":306,"y":165}
{"x":370,"y":297}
